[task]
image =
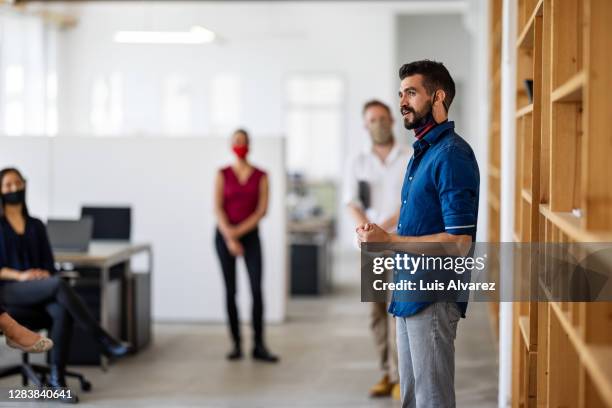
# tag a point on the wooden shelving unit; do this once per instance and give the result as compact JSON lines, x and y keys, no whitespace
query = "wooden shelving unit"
{"x":562,"y":353}
{"x":495,"y":44}
{"x":528,"y":144}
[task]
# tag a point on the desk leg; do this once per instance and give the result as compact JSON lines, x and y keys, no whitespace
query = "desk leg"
{"x":104,"y":278}
{"x":149,"y":252}
{"x":127,"y":309}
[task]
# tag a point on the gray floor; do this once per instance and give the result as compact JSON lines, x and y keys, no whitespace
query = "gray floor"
{"x":327,"y":361}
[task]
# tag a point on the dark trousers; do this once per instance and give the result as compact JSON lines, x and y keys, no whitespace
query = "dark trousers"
{"x":252,"y":258}
{"x":55,"y":297}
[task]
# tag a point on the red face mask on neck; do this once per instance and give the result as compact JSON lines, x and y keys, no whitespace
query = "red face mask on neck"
{"x":240,"y":150}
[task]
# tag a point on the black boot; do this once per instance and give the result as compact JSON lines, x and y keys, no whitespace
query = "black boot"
{"x":261,"y":353}
{"x":57,"y":380}
{"x":113,"y":348}
{"x":235,"y":354}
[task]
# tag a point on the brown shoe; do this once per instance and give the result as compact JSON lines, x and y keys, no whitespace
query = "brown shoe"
{"x":396,"y":393}
{"x":382,"y":388}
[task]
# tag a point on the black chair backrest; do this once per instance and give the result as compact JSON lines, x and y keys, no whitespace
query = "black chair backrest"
{"x":110,"y":223}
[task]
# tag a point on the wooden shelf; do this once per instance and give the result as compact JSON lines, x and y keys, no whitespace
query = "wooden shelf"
{"x":494,"y":320}
{"x":495,"y":127}
{"x":526,"y":187}
{"x":525,"y":110}
{"x":497,"y":75}
{"x":495,"y":48}
{"x":562,"y":162}
{"x":598,"y":362}
{"x":597,"y":359}
{"x":494,"y":202}
{"x":523,"y":322}
{"x":544,"y":288}
{"x":525,"y":38}
{"x":571,"y":91}
{"x":526,"y":194}
{"x":567,"y":325}
{"x":493,"y":171}
{"x":497,"y":26}
{"x":571,"y":226}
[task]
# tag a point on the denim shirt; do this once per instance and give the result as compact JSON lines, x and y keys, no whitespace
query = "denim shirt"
{"x":439,"y":194}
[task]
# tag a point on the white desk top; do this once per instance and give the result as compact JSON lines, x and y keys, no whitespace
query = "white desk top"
{"x":102,"y":253}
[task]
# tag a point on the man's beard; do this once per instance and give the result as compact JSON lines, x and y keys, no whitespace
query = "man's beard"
{"x":420,"y":119}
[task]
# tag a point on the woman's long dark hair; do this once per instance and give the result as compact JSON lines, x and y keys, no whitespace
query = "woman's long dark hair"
{"x":3,"y":173}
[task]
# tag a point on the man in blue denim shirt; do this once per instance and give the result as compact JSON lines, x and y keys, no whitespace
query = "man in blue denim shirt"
{"x":439,"y":203}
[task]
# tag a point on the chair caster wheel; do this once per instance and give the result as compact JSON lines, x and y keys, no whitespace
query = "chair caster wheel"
{"x":85,"y":385}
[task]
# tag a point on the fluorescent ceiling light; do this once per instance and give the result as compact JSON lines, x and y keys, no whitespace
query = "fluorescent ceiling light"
{"x":197,"y":35}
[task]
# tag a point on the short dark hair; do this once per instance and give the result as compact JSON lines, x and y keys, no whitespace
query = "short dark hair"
{"x":375,"y":102}
{"x":435,"y":76}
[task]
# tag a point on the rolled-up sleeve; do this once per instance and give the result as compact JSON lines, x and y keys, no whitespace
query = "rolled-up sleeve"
{"x":458,"y":181}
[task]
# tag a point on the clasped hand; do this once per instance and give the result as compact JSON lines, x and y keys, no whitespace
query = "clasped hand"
{"x":34,"y":274}
{"x":235,"y":247}
{"x":369,"y":232}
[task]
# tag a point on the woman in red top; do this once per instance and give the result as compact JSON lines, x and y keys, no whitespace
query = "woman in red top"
{"x":241,"y":201}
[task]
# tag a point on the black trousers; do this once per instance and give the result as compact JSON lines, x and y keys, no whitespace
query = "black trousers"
{"x":253,"y":260}
{"x":55,"y":297}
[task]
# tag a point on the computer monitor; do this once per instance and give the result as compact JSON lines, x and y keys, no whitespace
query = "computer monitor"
{"x":110,"y":223}
{"x":70,"y":235}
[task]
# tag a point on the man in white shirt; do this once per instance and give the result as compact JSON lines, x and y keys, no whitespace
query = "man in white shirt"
{"x":373,"y":184}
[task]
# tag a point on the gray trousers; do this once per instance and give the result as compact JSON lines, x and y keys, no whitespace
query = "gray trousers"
{"x":426,"y":347}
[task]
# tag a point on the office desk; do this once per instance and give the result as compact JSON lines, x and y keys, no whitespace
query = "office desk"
{"x":310,"y":255}
{"x":102,"y":256}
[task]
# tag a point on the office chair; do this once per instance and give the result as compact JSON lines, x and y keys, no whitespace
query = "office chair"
{"x":35,"y":373}
{"x":37,"y":320}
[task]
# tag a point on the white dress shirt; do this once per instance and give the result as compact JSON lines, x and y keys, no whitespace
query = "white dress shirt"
{"x":385,"y":180}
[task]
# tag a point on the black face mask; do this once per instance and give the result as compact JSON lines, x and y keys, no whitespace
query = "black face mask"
{"x":15,"y":197}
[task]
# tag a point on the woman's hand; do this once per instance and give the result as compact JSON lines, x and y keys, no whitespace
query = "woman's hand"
{"x":235,"y":247}
{"x":232,"y":232}
{"x":34,"y":274}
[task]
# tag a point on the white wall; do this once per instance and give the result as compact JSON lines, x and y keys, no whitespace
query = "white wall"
{"x":262,"y":43}
{"x":458,"y":40}
{"x":428,"y":37}
{"x":169,"y":184}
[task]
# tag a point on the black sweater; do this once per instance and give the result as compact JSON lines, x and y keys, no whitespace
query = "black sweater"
{"x":27,"y":251}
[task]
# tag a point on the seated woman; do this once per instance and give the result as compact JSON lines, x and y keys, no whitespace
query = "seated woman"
{"x":28,"y":278}
{"x":20,"y":337}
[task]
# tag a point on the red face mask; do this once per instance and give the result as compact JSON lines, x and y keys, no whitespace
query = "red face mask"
{"x":240,"y":150}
